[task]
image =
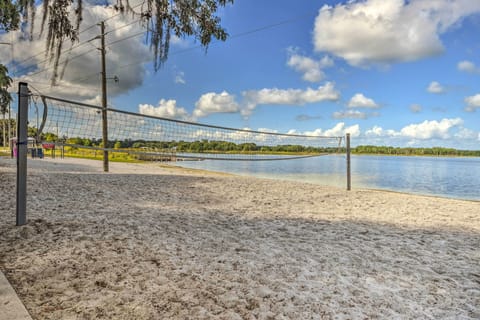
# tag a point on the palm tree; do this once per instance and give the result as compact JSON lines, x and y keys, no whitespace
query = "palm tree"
{"x":5,"y":97}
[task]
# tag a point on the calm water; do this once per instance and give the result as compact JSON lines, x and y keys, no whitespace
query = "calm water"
{"x":446,"y":177}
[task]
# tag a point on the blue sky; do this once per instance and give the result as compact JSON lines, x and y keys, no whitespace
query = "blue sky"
{"x":401,"y":73}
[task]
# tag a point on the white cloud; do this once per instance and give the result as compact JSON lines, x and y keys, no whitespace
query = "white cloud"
{"x":326,"y":62}
{"x":466,"y":134}
{"x":473,"y":103}
{"x":468,"y":66}
{"x":293,"y":96}
{"x":435,"y":87}
{"x":165,"y":109}
{"x":81,"y":79}
{"x":339,"y":130}
{"x":377,"y":131}
{"x":423,"y":131}
{"x":383,"y":32}
{"x":181,"y":43}
{"x":360,"y":101}
{"x":212,"y":102}
{"x":431,"y":129}
{"x":267,"y":130}
{"x":310,"y":68}
{"x":350,"y":114}
{"x":296,"y":97}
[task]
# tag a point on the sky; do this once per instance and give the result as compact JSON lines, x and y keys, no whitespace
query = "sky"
{"x":389,"y":72}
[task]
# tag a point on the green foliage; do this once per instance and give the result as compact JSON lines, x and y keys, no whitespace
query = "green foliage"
{"x":180,"y":18}
{"x":87,"y":142}
{"x":5,"y":83}
{"x":162,"y":19}
{"x":49,"y":137}
{"x":4,"y":125}
{"x":435,"y":151}
{"x":9,"y":15}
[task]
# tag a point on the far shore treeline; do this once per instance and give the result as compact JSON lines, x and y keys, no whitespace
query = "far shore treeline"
{"x":211,"y":146}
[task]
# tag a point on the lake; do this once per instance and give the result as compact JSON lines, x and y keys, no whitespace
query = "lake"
{"x":440,"y":176}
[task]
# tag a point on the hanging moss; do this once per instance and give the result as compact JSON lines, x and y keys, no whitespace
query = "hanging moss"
{"x":161,"y":18}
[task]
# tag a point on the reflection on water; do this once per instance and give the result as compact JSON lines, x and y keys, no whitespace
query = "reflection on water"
{"x":448,"y":177}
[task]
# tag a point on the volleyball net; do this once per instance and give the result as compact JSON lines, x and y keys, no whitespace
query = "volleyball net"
{"x":69,"y":124}
{"x":79,"y":125}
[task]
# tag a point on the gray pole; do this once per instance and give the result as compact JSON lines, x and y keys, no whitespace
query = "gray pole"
{"x":9,"y":125}
{"x":349,"y":175}
{"x":104,"y":101}
{"x":22,"y":144}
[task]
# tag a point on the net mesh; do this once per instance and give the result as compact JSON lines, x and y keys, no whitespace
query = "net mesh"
{"x":76,"y":124}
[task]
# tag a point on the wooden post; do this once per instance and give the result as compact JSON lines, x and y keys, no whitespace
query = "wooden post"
{"x":22,"y":141}
{"x":349,"y":175}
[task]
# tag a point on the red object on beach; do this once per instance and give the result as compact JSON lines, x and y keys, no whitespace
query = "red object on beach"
{"x":48,"y":145}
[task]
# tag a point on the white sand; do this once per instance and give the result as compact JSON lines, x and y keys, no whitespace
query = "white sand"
{"x":149,"y":242}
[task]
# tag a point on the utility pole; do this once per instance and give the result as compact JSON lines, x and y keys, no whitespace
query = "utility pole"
{"x":104,"y":100}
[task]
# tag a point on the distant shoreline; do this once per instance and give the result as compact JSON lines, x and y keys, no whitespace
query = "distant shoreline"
{"x":414,"y":155}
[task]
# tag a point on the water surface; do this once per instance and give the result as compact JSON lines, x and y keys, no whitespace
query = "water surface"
{"x":441,"y":176}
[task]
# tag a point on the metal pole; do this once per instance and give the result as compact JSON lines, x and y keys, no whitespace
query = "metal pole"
{"x":9,"y":124}
{"x":22,"y":144}
{"x":349,"y":175}
{"x":104,"y":101}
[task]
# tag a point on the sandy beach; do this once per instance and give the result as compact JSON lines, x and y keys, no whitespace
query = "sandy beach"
{"x":148,"y":241}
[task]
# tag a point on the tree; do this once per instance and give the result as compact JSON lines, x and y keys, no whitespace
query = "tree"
{"x":5,"y":97}
{"x":161,"y":18}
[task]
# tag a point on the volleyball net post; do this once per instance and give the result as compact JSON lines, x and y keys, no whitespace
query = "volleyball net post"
{"x":349,"y":172}
{"x":21,"y":146}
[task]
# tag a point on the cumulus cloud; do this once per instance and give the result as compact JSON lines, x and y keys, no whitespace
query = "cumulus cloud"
{"x":377,"y":131}
{"x":435,"y":87}
{"x":360,"y":101}
{"x":431,"y":129}
{"x":81,"y":76}
{"x":473,"y":103}
{"x":212,"y":102}
{"x":468,"y":66}
{"x":164,"y":109}
{"x":296,"y":97}
{"x":311,"y":69}
{"x":383,"y":32}
{"x":339,"y":130}
{"x":426,"y":130}
{"x":466,"y":134}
